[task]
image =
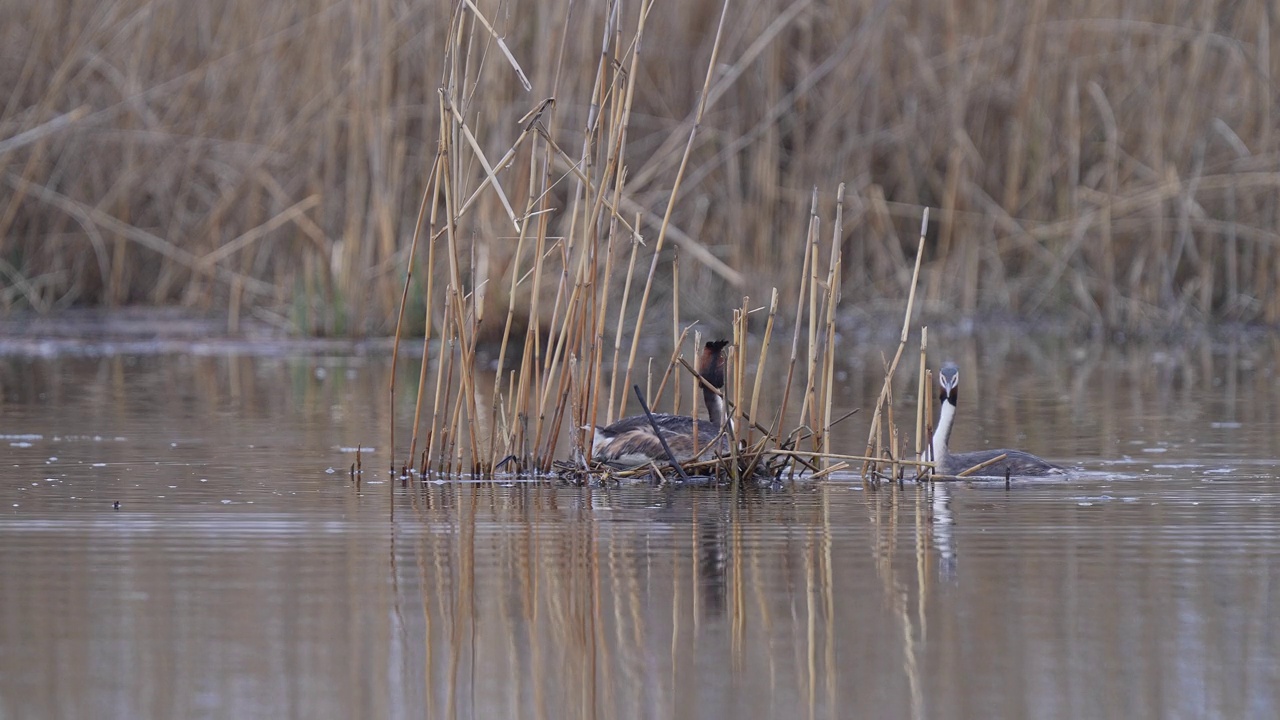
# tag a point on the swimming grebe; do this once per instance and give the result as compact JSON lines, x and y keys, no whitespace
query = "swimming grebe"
{"x":631,"y":441}
{"x":1017,"y":463}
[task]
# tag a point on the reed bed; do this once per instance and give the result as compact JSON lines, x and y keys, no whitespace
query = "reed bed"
{"x":557,"y":383}
{"x":1087,"y":159}
{"x":553,"y":382}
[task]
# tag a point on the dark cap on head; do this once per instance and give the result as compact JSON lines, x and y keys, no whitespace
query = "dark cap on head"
{"x":949,"y":374}
{"x":949,"y":378}
{"x":711,"y":363}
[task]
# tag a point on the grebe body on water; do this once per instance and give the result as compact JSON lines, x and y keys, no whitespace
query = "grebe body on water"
{"x":631,"y":441}
{"x":1017,"y":463}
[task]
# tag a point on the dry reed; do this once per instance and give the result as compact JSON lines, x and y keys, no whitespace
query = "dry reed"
{"x":282,"y":167}
{"x":271,"y":161}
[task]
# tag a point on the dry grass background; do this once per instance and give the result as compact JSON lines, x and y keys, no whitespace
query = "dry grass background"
{"x":1111,"y":162}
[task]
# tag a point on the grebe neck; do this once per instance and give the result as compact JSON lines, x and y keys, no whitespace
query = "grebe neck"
{"x":715,"y":407}
{"x":942,"y":434}
{"x":711,"y":369}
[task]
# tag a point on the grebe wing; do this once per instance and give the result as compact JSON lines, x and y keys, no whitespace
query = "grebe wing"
{"x":1017,"y":464}
{"x":630,"y":448}
{"x":668,"y":423}
{"x":631,"y":442}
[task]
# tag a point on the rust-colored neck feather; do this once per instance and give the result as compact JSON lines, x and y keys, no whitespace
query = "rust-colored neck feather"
{"x":711,"y":368}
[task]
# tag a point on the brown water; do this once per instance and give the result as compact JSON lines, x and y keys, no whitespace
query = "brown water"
{"x":241,"y":578}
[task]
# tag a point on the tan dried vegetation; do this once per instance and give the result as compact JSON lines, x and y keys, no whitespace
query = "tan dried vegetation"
{"x":1110,"y":162}
{"x":522,"y":174}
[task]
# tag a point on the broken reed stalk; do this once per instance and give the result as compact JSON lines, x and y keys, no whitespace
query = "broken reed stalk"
{"x":598,"y":336}
{"x":455,"y":447}
{"x":833,"y":300}
{"x":448,"y":439}
{"x":808,"y":413}
{"x":732,"y":426}
{"x":666,"y":374}
{"x":902,"y":342}
{"x":432,"y":187}
{"x":617,"y":339}
{"x":828,"y":470}
{"x":563,"y":340}
{"x":522,"y":236}
{"x":444,"y":382}
{"x":575,"y":410}
{"x":762,"y":448}
{"x":657,"y":431}
{"x":584,"y":312}
{"x":676,"y":338}
{"x":764,"y":351}
{"x":921,"y":391}
{"x":795,"y":332}
{"x":982,"y":465}
{"x":755,"y":452}
{"x":693,"y":397}
{"x":548,"y":373}
{"x":892,"y":428}
{"x":927,"y":401}
{"x":530,"y":380}
{"x":829,"y":363}
{"x":648,"y":377}
{"x":404,"y":296}
{"x":740,"y":360}
{"x":701,"y":382}
{"x":469,"y":377}
{"x":843,"y":456}
{"x":466,"y":340}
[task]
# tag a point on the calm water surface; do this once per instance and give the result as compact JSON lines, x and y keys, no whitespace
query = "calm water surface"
{"x":244,"y":576}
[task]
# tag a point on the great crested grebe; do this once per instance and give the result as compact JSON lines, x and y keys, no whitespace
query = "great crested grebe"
{"x":631,"y":441}
{"x":1017,"y":463}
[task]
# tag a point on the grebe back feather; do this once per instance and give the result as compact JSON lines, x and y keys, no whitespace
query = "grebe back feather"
{"x":631,"y":441}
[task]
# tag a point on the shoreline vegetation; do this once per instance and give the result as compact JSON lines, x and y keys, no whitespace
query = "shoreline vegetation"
{"x":1087,"y":162}
{"x":561,"y":181}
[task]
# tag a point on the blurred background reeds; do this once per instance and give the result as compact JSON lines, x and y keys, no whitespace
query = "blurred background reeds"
{"x":1110,"y":164}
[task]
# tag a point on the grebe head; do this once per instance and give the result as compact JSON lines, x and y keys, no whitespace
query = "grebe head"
{"x":711,"y":362}
{"x":711,"y":368}
{"x":949,"y":378}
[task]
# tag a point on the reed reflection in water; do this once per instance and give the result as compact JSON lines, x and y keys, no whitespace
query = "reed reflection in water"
{"x":485,"y":600}
{"x":543,"y":603}
{"x":239,"y":579}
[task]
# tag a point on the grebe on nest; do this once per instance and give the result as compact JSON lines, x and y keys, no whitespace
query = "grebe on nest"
{"x":1017,"y":463}
{"x":631,"y":441}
